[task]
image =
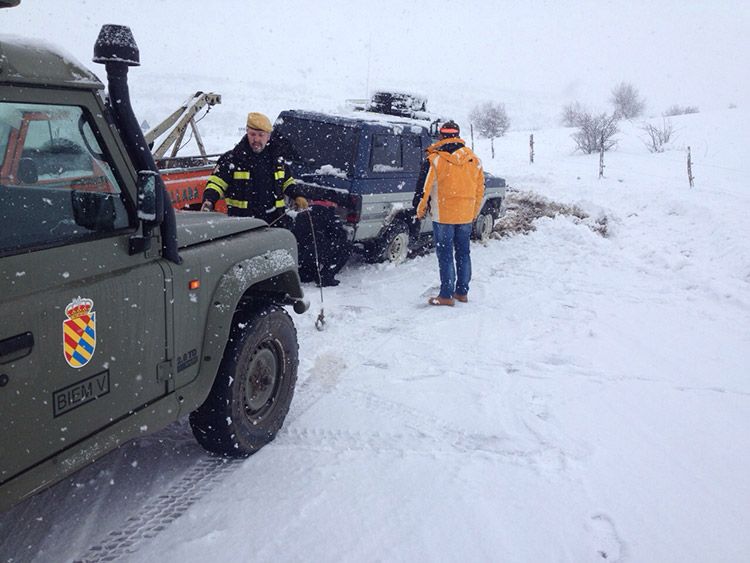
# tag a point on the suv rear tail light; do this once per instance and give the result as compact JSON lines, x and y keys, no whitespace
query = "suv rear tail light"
{"x":354,"y":209}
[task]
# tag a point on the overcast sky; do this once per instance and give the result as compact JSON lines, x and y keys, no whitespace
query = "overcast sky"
{"x":689,"y":53}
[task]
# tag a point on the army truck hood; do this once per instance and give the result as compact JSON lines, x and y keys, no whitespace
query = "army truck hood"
{"x":195,"y":227}
{"x":35,"y":62}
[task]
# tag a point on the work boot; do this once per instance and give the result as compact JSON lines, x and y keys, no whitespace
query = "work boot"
{"x":441,"y":301}
{"x":328,"y":281}
{"x":461,"y":298}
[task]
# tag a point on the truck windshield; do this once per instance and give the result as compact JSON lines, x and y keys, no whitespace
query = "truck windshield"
{"x":316,"y":147}
{"x":56,"y":185}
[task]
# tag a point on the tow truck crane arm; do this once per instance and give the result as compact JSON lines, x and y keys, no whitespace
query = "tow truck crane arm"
{"x":178,"y":122}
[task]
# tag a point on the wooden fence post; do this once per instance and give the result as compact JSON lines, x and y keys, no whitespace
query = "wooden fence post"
{"x":531,"y":148}
{"x":690,"y":168}
{"x":471,"y":128}
{"x":601,"y":161}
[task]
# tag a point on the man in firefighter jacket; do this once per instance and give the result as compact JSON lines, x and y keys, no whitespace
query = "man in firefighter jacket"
{"x":253,"y":178}
{"x":451,"y":188}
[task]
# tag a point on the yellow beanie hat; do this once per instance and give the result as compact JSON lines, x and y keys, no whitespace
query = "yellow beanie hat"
{"x":259,"y":121}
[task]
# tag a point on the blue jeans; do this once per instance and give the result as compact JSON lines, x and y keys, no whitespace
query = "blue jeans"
{"x":453,"y":278}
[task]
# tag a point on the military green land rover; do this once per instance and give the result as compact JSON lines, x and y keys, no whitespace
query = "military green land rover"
{"x":120,"y":315}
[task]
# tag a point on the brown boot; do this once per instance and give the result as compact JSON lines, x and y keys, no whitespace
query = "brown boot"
{"x":441,"y":301}
{"x":461,"y":298}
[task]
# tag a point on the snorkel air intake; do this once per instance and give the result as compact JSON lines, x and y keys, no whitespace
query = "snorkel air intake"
{"x":117,"y":50}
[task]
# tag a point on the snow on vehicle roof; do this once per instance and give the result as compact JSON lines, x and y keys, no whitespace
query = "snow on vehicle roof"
{"x":37,"y":62}
{"x":397,"y":124}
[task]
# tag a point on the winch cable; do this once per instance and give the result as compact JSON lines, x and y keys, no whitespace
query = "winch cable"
{"x":320,"y":322}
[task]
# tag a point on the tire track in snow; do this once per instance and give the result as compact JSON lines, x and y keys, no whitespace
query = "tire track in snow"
{"x":424,"y":434}
{"x":530,"y":453}
{"x":408,"y":442}
{"x":155,"y":516}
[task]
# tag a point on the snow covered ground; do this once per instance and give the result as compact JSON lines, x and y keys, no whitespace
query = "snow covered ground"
{"x":590,"y":402}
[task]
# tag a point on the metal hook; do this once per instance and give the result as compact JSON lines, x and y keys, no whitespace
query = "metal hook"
{"x":320,"y":322}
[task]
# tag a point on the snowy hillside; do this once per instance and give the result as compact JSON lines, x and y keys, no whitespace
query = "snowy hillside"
{"x":590,"y":402}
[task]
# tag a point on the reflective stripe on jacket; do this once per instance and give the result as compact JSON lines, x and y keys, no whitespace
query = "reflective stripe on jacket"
{"x":251,"y":184}
{"x":454,"y":186}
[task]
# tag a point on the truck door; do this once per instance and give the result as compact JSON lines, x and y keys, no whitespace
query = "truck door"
{"x":83,"y":322}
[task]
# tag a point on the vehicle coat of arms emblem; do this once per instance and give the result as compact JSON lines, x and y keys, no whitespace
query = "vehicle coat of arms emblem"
{"x":79,"y":332}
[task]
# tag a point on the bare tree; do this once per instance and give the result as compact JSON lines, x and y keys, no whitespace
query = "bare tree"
{"x":571,"y":114}
{"x":627,"y":101}
{"x":658,"y":136}
{"x":491,"y":120}
{"x":596,"y":132}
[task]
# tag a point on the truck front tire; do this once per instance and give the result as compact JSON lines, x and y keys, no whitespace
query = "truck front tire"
{"x":254,"y":387}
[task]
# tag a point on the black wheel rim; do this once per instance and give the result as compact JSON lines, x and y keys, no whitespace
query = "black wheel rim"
{"x":263,"y":378}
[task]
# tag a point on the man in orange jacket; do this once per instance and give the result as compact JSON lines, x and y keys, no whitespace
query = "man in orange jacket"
{"x":451,"y":189}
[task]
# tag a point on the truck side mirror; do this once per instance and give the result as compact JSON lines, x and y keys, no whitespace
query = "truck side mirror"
{"x":150,"y":206}
{"x":147,"y":204}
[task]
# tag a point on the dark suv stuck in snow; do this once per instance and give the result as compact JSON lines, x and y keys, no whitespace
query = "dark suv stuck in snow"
{"x":365,"y":167}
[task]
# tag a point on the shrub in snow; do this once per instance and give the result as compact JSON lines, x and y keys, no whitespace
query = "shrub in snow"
{"x":676,"y":109}
{"x":490,"y":120}
{"x":627,"y":102}
{"x":596,"y":132}
{"x":571,"y":114}
{"x":658,"y":136}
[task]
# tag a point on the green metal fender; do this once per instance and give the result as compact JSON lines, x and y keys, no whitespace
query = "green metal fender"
{"x":269,"y":277}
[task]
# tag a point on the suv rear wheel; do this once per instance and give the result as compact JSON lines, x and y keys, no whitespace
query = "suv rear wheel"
{"x":483,"y":225}
{"x":393,"y":246}
{"x":254,"y":387}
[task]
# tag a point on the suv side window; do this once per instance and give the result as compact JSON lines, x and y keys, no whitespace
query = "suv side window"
{"x":386,"y":154}
{"x":56,"y":186}
{"x":413,"y":154}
